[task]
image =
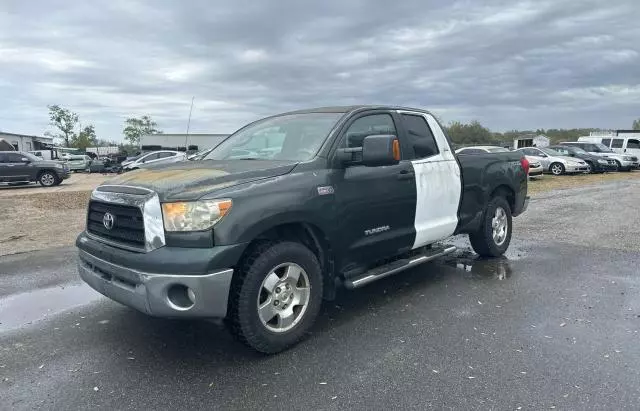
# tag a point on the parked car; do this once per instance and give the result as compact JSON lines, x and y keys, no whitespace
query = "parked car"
{"x":153,"y":159}
{"x":535,"y":166}
{"x":624,"y":162}
{"x":261,"y":242}
{"x":596,"y":164}
{"x":20,"y":167}
{"x":79,"y":162}
{"x":620,"y":144}
{"x":554,"y":162}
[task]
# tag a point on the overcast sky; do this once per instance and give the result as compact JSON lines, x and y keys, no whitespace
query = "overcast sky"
{"x":509,"y":64}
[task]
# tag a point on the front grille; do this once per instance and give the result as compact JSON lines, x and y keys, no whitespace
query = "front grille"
{"x":128,"y":226}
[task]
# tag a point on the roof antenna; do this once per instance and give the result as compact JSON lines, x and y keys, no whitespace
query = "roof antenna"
{"x":186,"y":138}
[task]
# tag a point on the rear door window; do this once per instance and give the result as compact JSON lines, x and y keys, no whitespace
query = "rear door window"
{"x":606,"y":141}
{"x":617,"y":143}
{"x":419,"y":135}
{"x":633,"y":143}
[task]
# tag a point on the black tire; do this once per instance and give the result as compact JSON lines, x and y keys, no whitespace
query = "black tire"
{"x":591,"y":168}
{"x":482,"y":240}
{"x":48,"y":178}
{"x":618,"y":166}
{"x":243,"y":320}
{"x":557,"y":169}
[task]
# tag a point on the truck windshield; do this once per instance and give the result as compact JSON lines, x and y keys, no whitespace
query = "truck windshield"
{"x":291,"y":137}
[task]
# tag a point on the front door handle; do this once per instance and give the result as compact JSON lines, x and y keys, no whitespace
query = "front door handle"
{"x":406,"y":175}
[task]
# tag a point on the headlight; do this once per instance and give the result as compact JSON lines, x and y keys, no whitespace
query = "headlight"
{"x":603,"y":162}
{"x":59,"y":166}
{"x":625,"y":158}
{"x":194,"y":215}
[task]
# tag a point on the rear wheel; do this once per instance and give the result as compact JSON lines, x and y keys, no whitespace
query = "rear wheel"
{"x":556,"y":169}
{"x":494,"y":235}
{"x":275,"y":296}
{"x":48,"y":179}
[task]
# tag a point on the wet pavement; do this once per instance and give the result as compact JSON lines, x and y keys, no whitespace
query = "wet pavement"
{"x":554,"y":324}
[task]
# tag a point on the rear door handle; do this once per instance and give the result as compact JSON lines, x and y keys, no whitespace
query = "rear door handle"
{"x":406,"y":175}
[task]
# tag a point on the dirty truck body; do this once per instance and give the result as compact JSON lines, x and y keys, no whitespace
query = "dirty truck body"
{"x":287,"y":209}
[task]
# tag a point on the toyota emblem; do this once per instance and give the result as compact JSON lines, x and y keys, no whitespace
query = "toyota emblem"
{"x":108,"y":220}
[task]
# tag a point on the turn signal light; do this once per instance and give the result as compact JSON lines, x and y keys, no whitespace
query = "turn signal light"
{"x":396,"y":150}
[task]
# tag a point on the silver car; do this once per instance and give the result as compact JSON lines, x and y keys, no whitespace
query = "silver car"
{"x":554,"y":162}
{"x":154,"y":158}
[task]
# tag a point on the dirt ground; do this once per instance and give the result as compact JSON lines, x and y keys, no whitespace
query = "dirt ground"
{"x":34,"y":218}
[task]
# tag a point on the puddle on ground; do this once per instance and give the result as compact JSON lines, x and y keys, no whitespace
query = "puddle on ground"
{"x":18,"y":310}
{"x":495,"y":268}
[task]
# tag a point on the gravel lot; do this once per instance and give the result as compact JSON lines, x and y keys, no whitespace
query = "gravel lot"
{"x":33,"y":217}
{"x":56,"y":215}
{"x":554,"y":325}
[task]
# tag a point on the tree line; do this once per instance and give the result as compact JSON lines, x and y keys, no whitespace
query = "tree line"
{"x":69,"y":131}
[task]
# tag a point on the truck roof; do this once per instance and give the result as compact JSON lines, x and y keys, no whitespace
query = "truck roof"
{"x":349,"y":109}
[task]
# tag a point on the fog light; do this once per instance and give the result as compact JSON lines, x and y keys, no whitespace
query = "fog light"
{"x":181,"y":297}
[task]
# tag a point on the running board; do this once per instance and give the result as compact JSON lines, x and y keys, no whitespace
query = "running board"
{"x":397,"y":266}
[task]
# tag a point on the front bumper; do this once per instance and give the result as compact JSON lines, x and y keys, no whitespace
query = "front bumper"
{"x":628,"y":164}
{"x":63,"y":174}
{"x":161,"y":295}
{"x":166,"y":282}
{"x":578,"y":168}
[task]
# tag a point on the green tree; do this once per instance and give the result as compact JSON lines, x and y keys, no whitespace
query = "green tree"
{"x":472,"y":133}
{"x":85,"y":138}
{"x":65,"y":121}
{"x":135,"y":128}
{"x":636,"y":124}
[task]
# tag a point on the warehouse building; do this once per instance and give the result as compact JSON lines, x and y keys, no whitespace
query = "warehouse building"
{"x":190,"y":143}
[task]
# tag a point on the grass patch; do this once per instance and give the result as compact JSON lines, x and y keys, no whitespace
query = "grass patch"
{"x":549,"y":182}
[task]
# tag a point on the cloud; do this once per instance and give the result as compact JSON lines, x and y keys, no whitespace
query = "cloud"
{"x":509,"y":64}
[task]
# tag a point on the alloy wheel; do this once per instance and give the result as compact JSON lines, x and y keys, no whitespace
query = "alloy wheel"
{"x":499,"y":223}
{"x":284,"y":297}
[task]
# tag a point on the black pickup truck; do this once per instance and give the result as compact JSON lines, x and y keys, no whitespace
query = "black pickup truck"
{"x":290,"y":207}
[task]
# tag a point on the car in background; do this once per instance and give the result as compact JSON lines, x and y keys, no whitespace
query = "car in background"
{"x":535,"y":166}
{"x":620,"y":144}
{"x":554,"y":162}
{"x":17,"y":167}
{"x":78,"y":162}
{"x":154,"y":158}
{"x":596,"y":164}
{"x":624,"y":162}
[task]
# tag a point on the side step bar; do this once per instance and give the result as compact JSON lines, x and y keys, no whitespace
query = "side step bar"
{"x":396,"y":267}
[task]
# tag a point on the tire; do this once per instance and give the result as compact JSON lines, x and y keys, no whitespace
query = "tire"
{"x":590,"y":168}
{"x":48,"y":179}
{"x":281,"y":325}
{"x":556,"y":169}
{"x":618,"y":166}
{"x":483,"y":241}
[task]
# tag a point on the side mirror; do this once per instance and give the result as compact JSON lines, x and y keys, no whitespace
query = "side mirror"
{"x":380,"y":150}
{"x":376,"y":150}
{"x":25,"y":160}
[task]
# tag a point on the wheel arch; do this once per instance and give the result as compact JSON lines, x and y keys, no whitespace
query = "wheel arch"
{"x":304,"y":232}
{"x":505,"y":191}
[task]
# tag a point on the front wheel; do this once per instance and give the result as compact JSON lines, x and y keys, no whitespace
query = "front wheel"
{"x":494,"y":235}
{"x":48,"y":179}
{"x":590,"y":168}
{"x":275,"y":296}
{"x":557,"y":169}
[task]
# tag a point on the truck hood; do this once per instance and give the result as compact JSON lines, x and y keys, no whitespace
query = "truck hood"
{"x":190,"y":180}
